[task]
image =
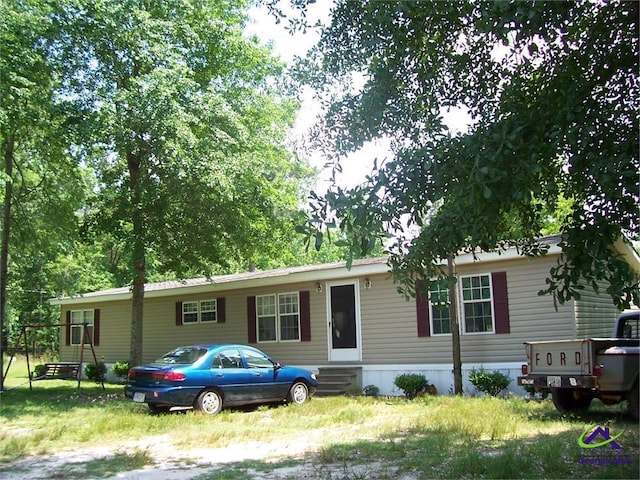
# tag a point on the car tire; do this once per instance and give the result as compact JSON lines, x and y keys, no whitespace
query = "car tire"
{"x":569,"y":400}
{"x":209,"y":402}
{"x":299,"y":393}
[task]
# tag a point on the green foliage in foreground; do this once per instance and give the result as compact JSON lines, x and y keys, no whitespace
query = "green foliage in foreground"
{"x":411,"y":384}
{"x":429,"y":437}
{"x":490,"y":383}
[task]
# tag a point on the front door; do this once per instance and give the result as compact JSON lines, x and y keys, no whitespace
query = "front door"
{"x":343,"y":305}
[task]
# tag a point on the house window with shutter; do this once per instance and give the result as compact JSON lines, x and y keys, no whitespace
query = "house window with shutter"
{"x":203,"y":311}
{"x":439,"y":304}
{"x":189,"y":312}
{"x":208,"y":311}
{"x":78,"y":320}
{"x":278,"y":317}
{"x":477,"y":304}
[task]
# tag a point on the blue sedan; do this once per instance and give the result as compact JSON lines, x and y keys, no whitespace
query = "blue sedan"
{"x":208,"y":377}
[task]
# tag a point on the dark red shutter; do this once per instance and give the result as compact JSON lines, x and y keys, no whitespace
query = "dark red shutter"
{"x":422,"y":310}
{"x":251,"y":320}
{"x":68,"y":329}
{"x":220,"y":310}
{"x":305,"y":316}
{"x":178,"y":313}
{"x":500,"y":302}
{"x":96,"y":327}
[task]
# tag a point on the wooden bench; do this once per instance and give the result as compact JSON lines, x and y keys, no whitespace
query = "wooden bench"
{"x":59,"y":370}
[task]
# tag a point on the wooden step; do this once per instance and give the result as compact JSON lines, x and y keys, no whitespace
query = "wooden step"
{"x":334,"y":381}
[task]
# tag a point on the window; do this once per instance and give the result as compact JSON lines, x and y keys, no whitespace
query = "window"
{"x":477,"y":304}
{"x":203,"y":311}
{"x":190,"y":312}
{"x":439,"y":304}
{"x":278,"y":317}
{"x":78,"y":319}
{"x":289,"y":316}
{"x":229,"y":358}
{"x":208,"y":311}
{"x":256,"y":360}
{"x":182,"y":355}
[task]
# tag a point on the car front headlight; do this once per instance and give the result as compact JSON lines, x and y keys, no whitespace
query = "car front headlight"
{"x":313,"y":375}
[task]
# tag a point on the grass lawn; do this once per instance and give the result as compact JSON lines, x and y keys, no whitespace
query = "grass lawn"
{"x":350,"y":437}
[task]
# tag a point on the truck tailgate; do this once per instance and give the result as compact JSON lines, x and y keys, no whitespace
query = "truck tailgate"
{"x":559,"y":357}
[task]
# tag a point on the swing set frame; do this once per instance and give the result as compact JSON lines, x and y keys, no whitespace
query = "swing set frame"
{"x":54,"y":370}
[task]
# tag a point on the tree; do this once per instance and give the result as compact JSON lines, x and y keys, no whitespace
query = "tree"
{"x":188,"y":119}
{"x":552,"y":92}
{"x":42,"y":185}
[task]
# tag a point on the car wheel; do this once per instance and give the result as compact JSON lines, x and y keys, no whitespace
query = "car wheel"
{"x":209,"y":402}
{"x":299,"y":393}
{"x":567,"y":400}
{"x":158,"y":408}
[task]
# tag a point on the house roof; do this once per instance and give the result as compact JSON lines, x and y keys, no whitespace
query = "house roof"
{"x":316,"y":273}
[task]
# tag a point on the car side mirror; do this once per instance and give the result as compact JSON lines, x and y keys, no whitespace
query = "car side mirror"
{"x":277,"y":366}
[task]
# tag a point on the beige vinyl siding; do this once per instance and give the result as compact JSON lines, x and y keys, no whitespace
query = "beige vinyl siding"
{"x":389,"y":321}
{"x":115,"y":332}
{"x":595,"y":313}
{"x":161,"y":333}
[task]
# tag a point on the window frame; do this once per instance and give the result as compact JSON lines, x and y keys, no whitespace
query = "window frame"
{"x":199,"y":311}
{"x":74,"y":326}
{"x":490,"y":301}
{"x":278,"y":314}
{"x":432,"y":316}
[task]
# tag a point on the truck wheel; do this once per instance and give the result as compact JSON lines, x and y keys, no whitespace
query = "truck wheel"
{"x":633,"y":402}
{"x":568,"y":400}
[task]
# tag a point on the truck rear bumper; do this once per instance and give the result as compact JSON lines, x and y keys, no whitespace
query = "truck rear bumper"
{"x":558,"y":381}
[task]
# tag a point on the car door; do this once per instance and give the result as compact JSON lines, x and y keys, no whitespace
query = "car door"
{"x":230,"y":375}
{"x":268,"y":384}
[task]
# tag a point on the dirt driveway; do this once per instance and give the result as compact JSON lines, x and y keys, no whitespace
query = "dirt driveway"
{"x":293,"y":458}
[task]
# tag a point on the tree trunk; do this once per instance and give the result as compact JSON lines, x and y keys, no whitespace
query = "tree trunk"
{"x":4,"y":248}
{"x":455,"y":328}
{"x":138,"y":259}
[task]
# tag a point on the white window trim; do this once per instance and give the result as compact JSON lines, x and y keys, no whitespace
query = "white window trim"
{"x":277,"y":312}
{"x":81,"y":326}
{"x":199,"y":311}
{"x":463,"y":323}
{"x":431,"y":318}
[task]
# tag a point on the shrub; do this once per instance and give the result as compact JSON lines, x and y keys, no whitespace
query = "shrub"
{"x":95,"y":372}
{"x":490,"y":383}
{"x":411,"y":384}
{"x":120,"y":369}
{"x":38,"y":371}
{"x":371,"y":391}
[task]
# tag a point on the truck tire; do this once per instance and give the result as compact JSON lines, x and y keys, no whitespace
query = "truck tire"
{"x":569,"y":400}
{"x":633,"y":401}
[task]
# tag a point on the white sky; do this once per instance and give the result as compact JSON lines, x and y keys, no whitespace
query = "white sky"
{"x":359,"y":164}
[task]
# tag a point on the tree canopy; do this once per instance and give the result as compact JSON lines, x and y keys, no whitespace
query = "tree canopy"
{"x":150,"y":137}
{"x":551,"y":89}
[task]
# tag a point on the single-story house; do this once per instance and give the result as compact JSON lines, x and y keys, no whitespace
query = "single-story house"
{"x":326,"y":316}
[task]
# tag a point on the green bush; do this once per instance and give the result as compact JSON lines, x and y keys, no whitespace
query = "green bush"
{"x":411,"y":384}
{"x":38,"y":371}
{"x":95,"y":372}
{"x":120,"y":369}
{"x":490,"y":383}
{"x":371,"y":391}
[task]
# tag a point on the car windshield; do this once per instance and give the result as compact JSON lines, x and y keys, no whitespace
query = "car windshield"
{"x":183,"y":355}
